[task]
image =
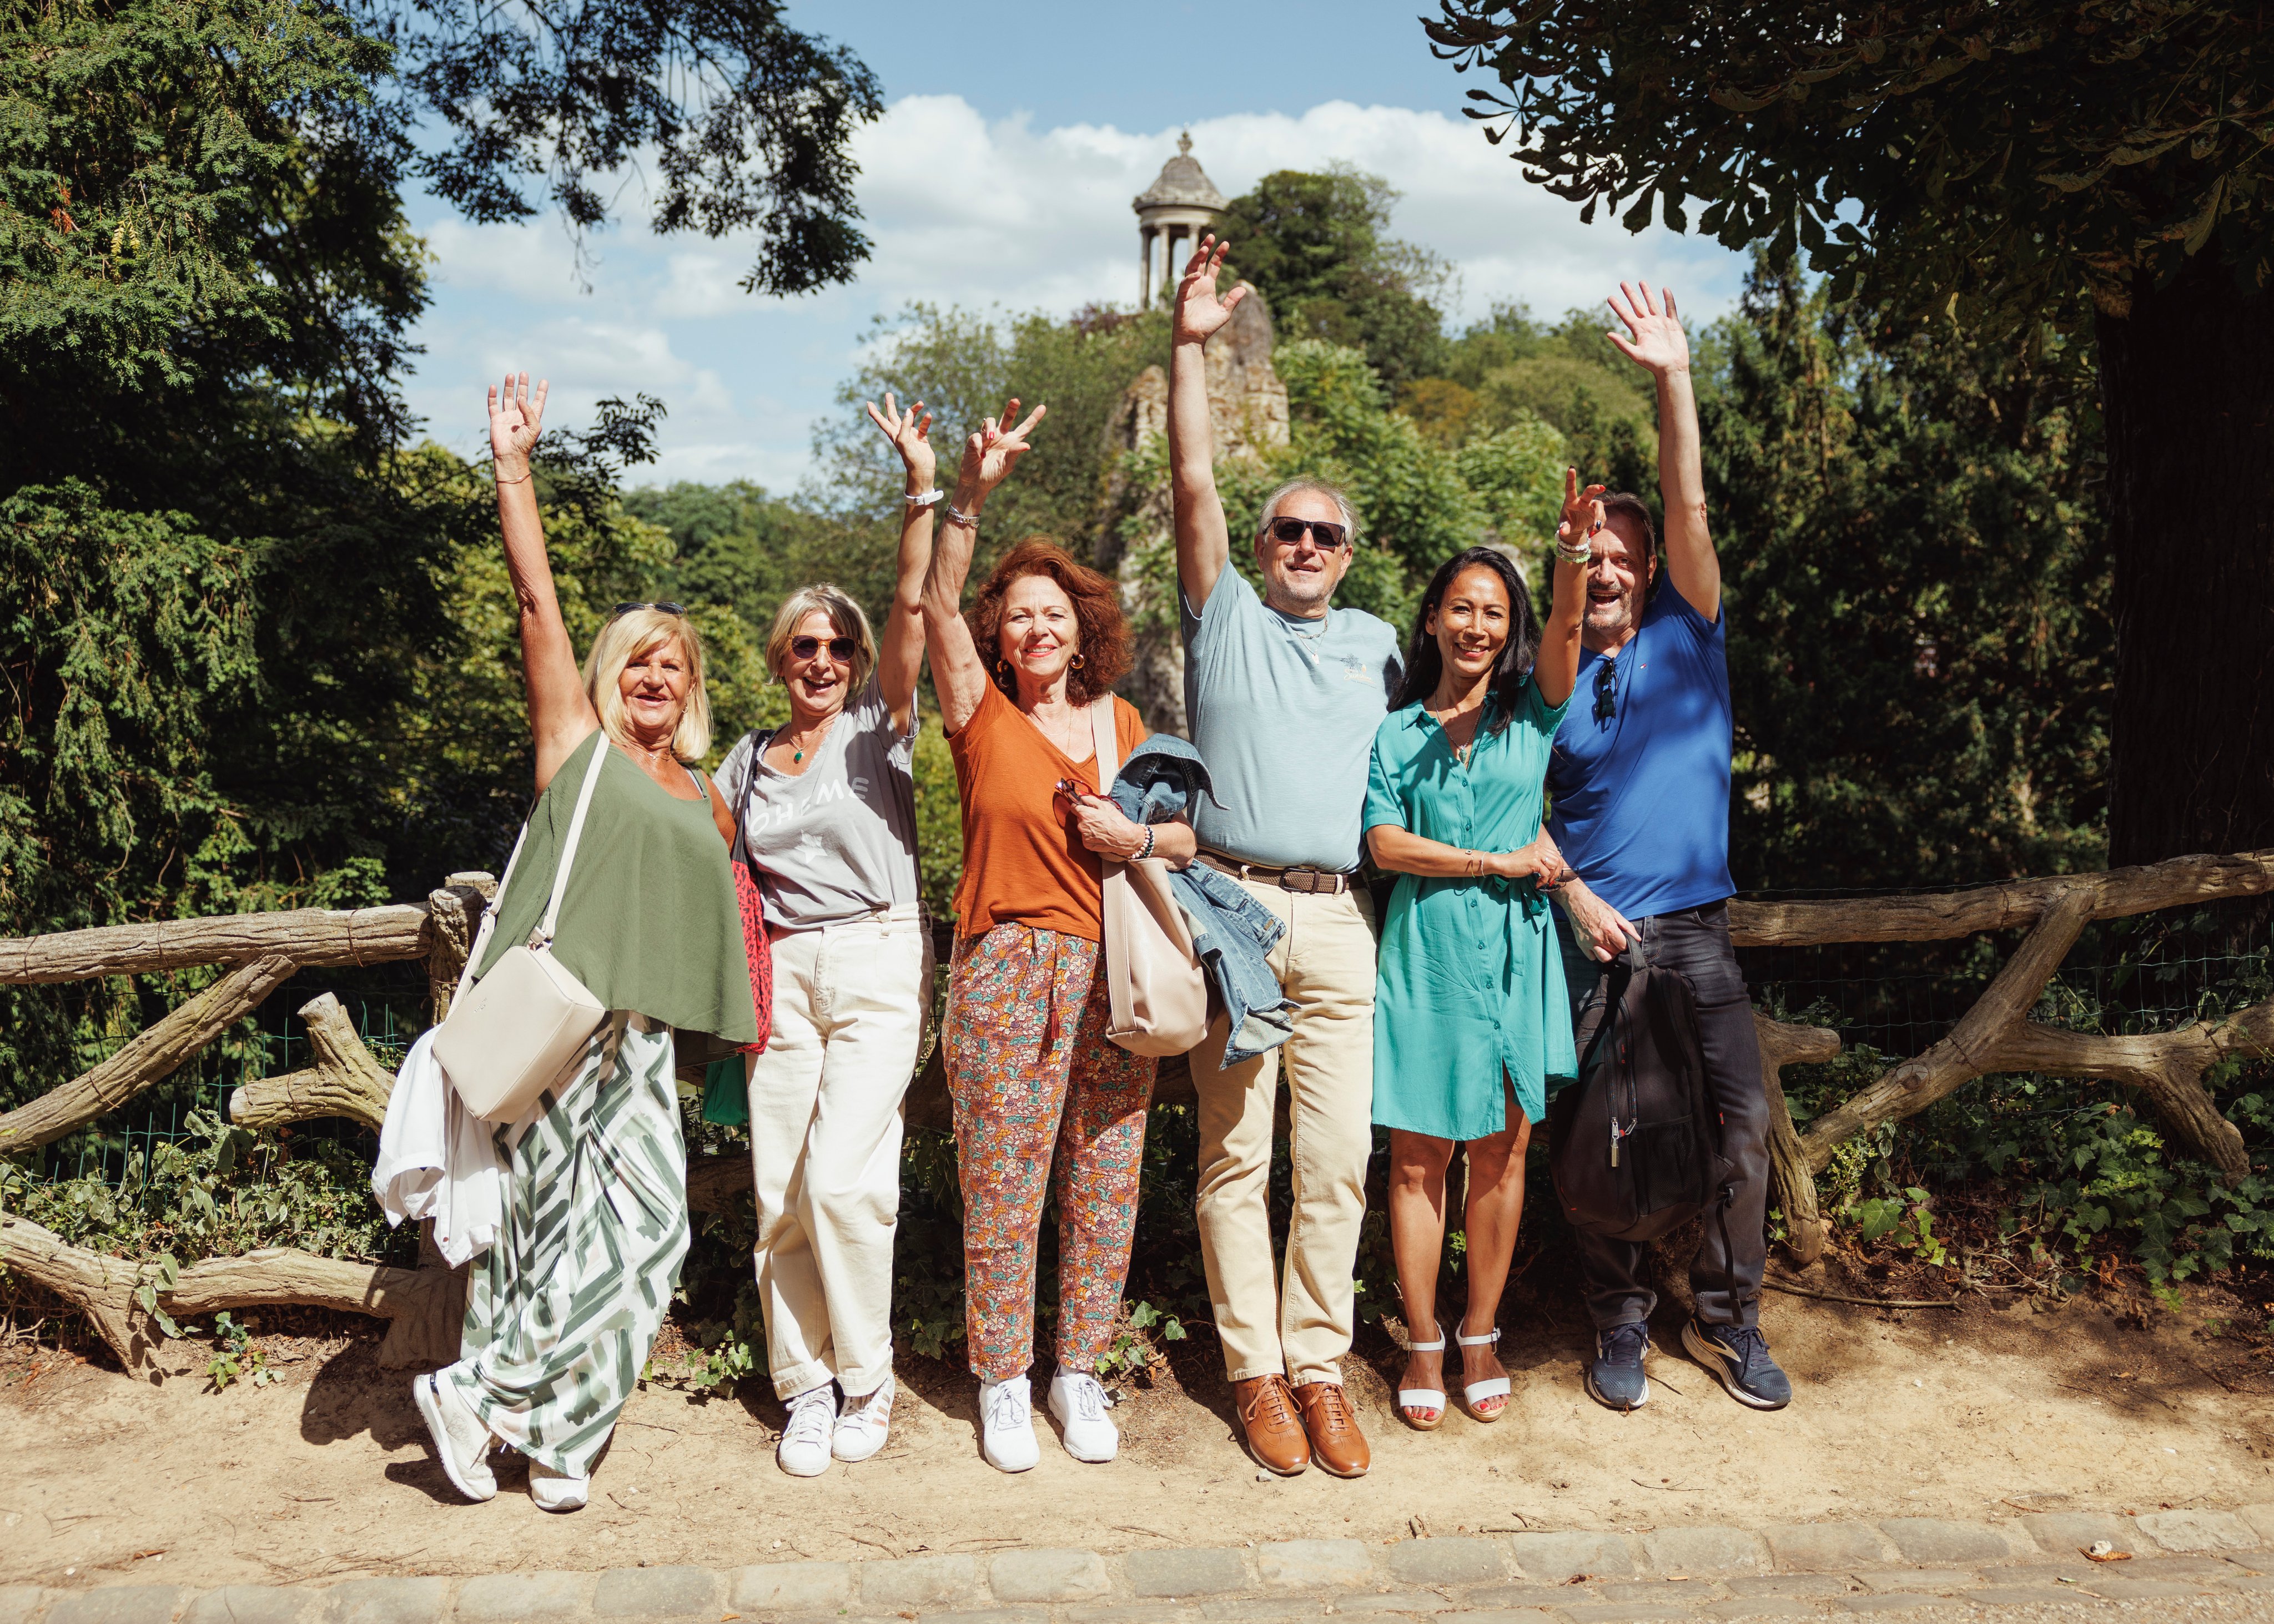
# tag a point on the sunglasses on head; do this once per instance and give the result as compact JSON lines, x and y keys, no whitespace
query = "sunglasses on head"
{"x":1607,"y":690}
{"x":1325,"y":536}
{"x":840,"y":649}
{"x":666,"y":606}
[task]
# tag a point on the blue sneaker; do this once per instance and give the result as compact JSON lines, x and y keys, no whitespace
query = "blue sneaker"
{"x":1739,"y":1356}
{"x":1614,"y":1380}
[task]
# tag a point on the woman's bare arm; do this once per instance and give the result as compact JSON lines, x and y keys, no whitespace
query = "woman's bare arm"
{"x":1401,"y":850}
{"x":901,"y":661}
{"x":959,"y":672}
{"x":560,"y":717}
{"x":1557,"y":668}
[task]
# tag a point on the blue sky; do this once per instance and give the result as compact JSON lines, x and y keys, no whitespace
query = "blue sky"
{"x":1000,"y":177}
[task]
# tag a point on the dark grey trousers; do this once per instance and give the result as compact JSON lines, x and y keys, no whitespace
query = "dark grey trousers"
{"x":1725,"y":1277}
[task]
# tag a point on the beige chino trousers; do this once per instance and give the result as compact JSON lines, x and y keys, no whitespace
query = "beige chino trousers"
{"x":1298,"y":1322}
{"x":826,"y":1103}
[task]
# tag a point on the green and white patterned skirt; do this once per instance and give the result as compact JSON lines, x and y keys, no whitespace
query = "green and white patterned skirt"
{"x":561,"y":1311}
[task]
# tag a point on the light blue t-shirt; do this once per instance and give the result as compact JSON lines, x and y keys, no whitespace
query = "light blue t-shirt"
{"x":1642,"y":798}
{"x":1284,"y":712}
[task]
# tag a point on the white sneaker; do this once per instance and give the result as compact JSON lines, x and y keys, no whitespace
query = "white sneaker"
{"x":1080,"y":1404}
{"x":460,"y":1439}
{"x":1006,"y":1425}
{"x":555,"y":1491}
{"x":860,"y":1430}
{"x":803,"y":1451}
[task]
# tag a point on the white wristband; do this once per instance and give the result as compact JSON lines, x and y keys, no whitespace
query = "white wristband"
{"x":927,"y":500}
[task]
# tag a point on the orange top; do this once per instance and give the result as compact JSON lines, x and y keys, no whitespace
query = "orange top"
{"x":1023,"y":863}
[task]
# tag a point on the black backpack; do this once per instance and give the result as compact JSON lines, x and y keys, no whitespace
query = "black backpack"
{"x":1635,"y":1145}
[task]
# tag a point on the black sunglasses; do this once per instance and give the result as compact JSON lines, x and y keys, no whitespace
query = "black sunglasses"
{"x":668,"y":608}
{"x":1324,"y":536}
{"x":1607,"y":690}
{"x":840,"y":649}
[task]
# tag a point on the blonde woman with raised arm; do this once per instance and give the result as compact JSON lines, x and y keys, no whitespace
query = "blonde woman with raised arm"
{"x":563,"y":1306}
{"x":826,"y":807}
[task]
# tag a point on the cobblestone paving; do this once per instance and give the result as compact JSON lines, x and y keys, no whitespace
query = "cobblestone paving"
{"x":2172,"y":1566}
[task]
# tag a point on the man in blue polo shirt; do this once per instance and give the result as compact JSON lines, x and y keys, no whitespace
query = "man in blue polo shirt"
{"x":1640,"y":778}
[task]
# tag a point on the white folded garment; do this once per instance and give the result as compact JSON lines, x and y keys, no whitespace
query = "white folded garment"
{"x":436,"y":1160}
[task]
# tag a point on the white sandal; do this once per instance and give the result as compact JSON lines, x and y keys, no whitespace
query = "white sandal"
{"x":1410,"y":1399}
{"x":1493,"y":1386}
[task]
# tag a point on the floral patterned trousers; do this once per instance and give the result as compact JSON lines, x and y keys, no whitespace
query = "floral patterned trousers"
{"x":1030,"y":1068}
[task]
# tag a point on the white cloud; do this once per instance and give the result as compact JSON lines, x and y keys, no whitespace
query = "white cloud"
{"x":963,"y":210}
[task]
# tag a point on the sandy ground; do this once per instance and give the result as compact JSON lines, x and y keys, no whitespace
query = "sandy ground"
{"x":326,"y":1474}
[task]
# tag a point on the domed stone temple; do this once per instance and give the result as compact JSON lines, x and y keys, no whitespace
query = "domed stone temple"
{"x":1181,"y":204}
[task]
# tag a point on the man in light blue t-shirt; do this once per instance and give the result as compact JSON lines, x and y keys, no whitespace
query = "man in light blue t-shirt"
{"x":1282,"y":693}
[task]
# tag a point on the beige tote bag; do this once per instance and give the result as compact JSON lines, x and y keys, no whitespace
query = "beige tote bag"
{"x":521,"y":1028}
{"x":1159,"y":991}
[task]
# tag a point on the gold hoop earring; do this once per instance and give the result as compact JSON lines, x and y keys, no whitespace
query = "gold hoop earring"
{"x":1077,"y":661}
{"x":1002,"y":668}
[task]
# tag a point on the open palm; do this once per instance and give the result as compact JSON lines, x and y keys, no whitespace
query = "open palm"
{"x":1200,"y":309}
{"x":517,"y":417}
{"x":1653,"y":338}
{"x":990,"y":454}
{"x":911,"y":435}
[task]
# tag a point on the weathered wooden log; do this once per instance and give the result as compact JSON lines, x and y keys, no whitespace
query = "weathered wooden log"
{"x":1913,"y":1084}
{"x":457,"y":912}
{"x":2166,"y":1066}
{"x":426,"y":1305}
{"x":146,"y":1057}
{"x":345,"y":1081}
{"x":1931,"y":916}
{"x":101,"y":1287}
{"x":314,"y":937}
{"x":1806,"y":1230}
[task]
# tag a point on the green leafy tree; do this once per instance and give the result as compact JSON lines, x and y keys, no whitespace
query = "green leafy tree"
{"x":2093,"y":168}
{"x":1918,"y":588}
{"x":1317,"y":247}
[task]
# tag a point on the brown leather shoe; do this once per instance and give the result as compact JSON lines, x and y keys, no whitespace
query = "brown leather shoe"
{"x":1332,"y":1425}
{"x":1275,"y":1434}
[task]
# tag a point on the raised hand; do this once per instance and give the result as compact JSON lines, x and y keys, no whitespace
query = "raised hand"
{"x":515,"y":419}
{"x":1653,"y":338}
{"x":1583,"y":511}
{"x":1200,"y":311}
{"x":910,"y":435}
{"x":990,"y":454}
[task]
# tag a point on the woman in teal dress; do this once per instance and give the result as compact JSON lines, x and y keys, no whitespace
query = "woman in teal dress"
{"x":1472,"y":1029}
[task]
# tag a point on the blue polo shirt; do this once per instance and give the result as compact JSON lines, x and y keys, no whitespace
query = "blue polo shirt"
{"x":1642,"y":798}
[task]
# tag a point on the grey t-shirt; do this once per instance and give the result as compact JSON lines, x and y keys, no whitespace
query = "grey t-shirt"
{"x":839,"y":840}
{"x":1284,"y":712}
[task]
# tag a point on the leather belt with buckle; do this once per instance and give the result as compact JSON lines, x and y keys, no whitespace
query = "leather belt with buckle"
{"x":1303,"y":877}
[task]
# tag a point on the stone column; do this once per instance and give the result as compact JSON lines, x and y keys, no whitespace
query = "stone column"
{"x":1145,"y":267}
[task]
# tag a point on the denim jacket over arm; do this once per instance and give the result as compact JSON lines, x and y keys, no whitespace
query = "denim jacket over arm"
{"x":1231,"y":931}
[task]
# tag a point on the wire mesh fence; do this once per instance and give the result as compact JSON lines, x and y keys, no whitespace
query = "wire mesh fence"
{"x":118,"y":1149}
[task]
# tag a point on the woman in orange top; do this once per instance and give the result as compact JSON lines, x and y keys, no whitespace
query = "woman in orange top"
{"x":1033,"y":1075}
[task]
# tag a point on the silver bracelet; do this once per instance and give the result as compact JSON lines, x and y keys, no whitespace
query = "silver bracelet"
{"x":1577,"y":556}
{"x":927,"y":500}
{"x":956,"y":515}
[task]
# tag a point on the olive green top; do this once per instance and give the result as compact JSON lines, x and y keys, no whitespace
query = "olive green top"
{"x":650,"y":922}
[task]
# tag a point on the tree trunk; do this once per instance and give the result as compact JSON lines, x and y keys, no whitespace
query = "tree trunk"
{"x":2186,"y":382}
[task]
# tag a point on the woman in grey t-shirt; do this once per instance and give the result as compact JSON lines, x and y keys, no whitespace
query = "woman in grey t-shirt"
{"x":825,"y":807}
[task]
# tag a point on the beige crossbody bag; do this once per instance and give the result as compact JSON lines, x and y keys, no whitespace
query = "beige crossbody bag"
{"x":1159,"y":992}
{"x":516,"y":1032}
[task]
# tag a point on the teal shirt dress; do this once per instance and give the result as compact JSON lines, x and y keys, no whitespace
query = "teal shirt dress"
{"x":1470,"y":985}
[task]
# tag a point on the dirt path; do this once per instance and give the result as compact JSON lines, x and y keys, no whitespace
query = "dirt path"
{"x":326,"y":1474}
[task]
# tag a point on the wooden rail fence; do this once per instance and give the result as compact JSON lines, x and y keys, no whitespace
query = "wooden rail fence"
{"x":423,"y":1304}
